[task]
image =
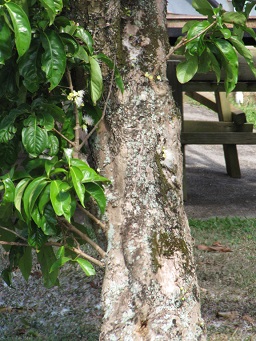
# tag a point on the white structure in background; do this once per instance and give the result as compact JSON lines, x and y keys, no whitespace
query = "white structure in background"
{"x":185,"y":7}
{"x":239,"y":97}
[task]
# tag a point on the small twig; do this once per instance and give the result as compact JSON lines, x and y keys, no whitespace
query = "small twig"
{"x":77,"y":126}
{"x":104,"y":109}
{"x":64,"y":137}
{"x":96,"y":220}
{"x":78,"y":251}
{"x":13,"y":232}
{"x":184,"y":41}
{"x":82,"y":235}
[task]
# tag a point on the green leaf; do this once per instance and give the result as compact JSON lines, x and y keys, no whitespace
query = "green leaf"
{"x":59,"y":263}
{"x":6,"y":275}
{"x":44,"y":198}
{"x":77,"y":177}
{"x":70,"y":44}
{"x":243,"y":51}
{"x":54,"y":57}
{"x":97,"y":193}
{"x":52,"y":7}
{"x":82,"y":54}
{"x":50,"y":164}
{"x":34,"y":139}
{"x":96,"y":83}
{"x":110,"y":64}
{"x":61,"y":198}
{"x":214,"y":64}
{"x":187,"y":69}
{"x":36,"y":237}
{"x":47,"y":222}
{"x":234,"y":18}
{"x":46,"y":259}
{"x":7,"y":127}
{"x":86,"y":37}
{"x":6,"y":44}
{"x":86,"y":266}
{"x":9,"y":190}
{"x":61,"y":252}
{"x":225,"y":32}
{"x":203,"y":7}
{"x":45,"y":120}
{"x":21,"y":26}
{"x":89,"y":174}
{"x":19,"y":191}
{"x":25,"y":263}
{"x":29,"y":67}
{"x":32,"y":192}
{"x":53,"y":145}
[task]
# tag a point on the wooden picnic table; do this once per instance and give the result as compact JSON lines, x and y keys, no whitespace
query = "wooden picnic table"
{"x":232,"y":128}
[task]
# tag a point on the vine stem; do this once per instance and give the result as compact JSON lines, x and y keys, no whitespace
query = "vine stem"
{"x":64,"y":137}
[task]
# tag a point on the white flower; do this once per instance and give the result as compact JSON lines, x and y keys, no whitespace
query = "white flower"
{"x":77,"y":97}
{"x":88,"y":120}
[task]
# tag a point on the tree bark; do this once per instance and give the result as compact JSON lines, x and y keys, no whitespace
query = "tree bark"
{"x":150,"y":290}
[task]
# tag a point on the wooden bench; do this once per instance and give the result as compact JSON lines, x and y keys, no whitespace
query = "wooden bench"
{"x":230,"y":130}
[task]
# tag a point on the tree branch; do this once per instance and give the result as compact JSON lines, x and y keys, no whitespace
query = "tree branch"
{"x":64,"y":137}
{"x":13,"y":232}
{"x":82,"y":235}
{"x":78,"y":251}
{"x":91,"y":216}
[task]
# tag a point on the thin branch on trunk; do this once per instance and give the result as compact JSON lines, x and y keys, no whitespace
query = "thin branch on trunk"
{"x":104,"y":108}
{"x":78,"y":251}
{"x":82,"y":235}
{"x":76,"y":113}
{"x":64,"y":137}
{"x":13,"y":232}
{"x":91,"y":216}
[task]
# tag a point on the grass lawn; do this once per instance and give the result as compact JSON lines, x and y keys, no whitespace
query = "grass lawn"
{"x":227,"y":279}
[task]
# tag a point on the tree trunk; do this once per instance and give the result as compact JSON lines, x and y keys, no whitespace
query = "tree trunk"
{"x":150,"y":289}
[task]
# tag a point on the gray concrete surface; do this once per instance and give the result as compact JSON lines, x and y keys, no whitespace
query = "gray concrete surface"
{"x":210,"y":191}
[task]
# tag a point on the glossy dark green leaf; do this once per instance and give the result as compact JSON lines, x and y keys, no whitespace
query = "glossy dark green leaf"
{"x":36,"y":237}
{"x":25,"y":263}
{"x":54,"y":57}
{"x":21,"y":26}
{"x":86,"y":266}
{"x":59,"y":263}
{"x":34,"y":139}
{"x":187,"y":69}
{"x":234,"y":18}
{"x":32,"y":192}
{"x":96,"y":82}
{"x":19,"y":192}
{"x":61,"y":198}
{"x":70,"y":44}
{"x":46,"y":258}
{"x":86,"y":37}
{"x":6,"y":275}
{"x":44,"y":198}
{"x":77,"y":176}
{"x":29,"y":67}
{"x":203,"y":7}
{"x":243,"y":51}
{"x":9,"y":190}
{"x":89,"y":174}
{"x":82,"y":54}
{"x":98,"y":195}
{"x":6,"y":44}
{"x":52,"y":7}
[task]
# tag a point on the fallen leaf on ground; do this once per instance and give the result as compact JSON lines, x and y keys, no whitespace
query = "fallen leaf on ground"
{"x":230,"y":315}
{"x":249,"y":319}
{"x":215,"y":247}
